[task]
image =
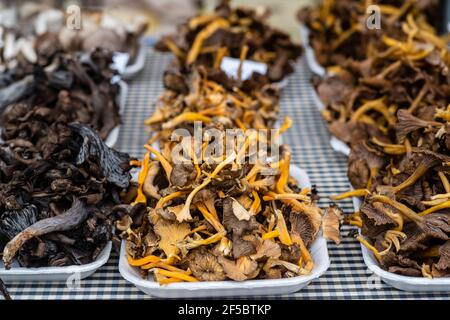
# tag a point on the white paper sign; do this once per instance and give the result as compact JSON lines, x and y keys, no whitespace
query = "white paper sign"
{"x":231,"y":65}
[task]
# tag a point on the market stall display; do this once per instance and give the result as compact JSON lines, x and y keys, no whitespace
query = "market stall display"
{"x":390,"y":106}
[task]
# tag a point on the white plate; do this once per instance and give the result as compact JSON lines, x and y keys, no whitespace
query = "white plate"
{"x":318,"y":251}
{"x":405,"y":283}
{"x":20,"y":274}
{"x":310,"y":56}
{"x":113,"y":136}
{"x":336,"y":144}
{"x":139,"y":62}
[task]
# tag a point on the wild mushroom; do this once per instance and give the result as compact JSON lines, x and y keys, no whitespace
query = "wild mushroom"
{"x":331,"y":223}
{"x":408,"y":123}
{"x":149,"y":188}
{"x":185,"y":214}
{"x":170,"y":235}
{"x":205,"y":266}
{"x":242,"y":269}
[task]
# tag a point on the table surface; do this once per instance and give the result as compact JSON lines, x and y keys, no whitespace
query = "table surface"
{"x":347,"y":277}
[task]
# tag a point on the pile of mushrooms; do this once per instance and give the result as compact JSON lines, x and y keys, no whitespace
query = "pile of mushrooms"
{"x":56,"y":204}
{"x":392,"y":109}
{"x":208,"y":217}
{"x":339,"y":30}
{"x":210,"y":96}
{"x":115,"y":29}
{"x":58,"y":88}
{"x":220,"y":219}
{"x":240,"y":33}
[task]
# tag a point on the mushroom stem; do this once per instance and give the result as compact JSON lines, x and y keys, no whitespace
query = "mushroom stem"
{"x":140,"y":197}
{"x":242,"y":56}
{"x":202,"y":36}
{"x":169,"y":197}
{"x":174,"y":48}
{"x":407,"y":212}
{"x":351,"y":193}
{"x":274,"y":196}
{"x":210,"y":217}
{"x":435,"y":202}
{"x":377,"y":105}
{"x":286,"y":125}
{"x":256,"y":205}
{"x":186,"y":117}
{"x":271,"y":234}
{"x":418,"y":99}
{"x":306,"y":256}
{"x":204,"y":242}
{"x":184,"y":213}
{"x":176,"y":275}
{"x":370,"y":247}
{"x":444,"y":181}
{"x":166,"y":165}
{"x":219,"y":56}
{"x":209,"y":203}
{"x":284,"y":236}
{"x":417,"y":174}
{"x":284,"y":176}
{"x":438,"y":207}
{"x":167,"y":281}
{"x":142,"y":261}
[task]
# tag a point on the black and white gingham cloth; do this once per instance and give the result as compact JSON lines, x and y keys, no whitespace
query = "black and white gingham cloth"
{"x":347,"y":277}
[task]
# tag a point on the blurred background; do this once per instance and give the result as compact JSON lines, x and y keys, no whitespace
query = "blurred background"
{"x":162,"y":15}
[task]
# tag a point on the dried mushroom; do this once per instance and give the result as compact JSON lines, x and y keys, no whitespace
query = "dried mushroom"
{"x":214,"y":221}
{"x":56,"y":205}
{"x":67,"y":88}
{"x":240,"y":33}
{"x":388,"y":100}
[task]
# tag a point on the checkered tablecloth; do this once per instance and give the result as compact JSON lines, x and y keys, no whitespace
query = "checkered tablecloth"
{"x":347,"y":277}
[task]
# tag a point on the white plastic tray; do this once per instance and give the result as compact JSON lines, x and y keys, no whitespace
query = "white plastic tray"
{"x":318,"y":250}
{"x":310,"y":56}
{"x":405,"y":283}
{"x":113,"y":136}
{"x":20,"y":274}
{"x":139,"y":62}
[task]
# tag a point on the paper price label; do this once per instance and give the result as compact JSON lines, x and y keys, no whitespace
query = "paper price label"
{"x":231,"y":66}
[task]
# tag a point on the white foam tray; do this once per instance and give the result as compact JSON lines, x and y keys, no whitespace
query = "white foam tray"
{"x":310,"y":56}
{"x":337,"y":145}
{"x":405,"y":283}
{"x":211,"y":289}
{"x":21,"y":274}
{"x":113,"y":136}
{"x":132,"y":70}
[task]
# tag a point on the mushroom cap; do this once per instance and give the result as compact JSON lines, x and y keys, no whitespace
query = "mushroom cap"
{"x":205,"y":265}
{"x":170,"y":234}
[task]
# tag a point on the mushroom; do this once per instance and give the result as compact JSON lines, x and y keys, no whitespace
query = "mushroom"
{"x":267,"y":249}
{"x":241,"y":269}
{"x":408,"y":123}
{"x":149,"y":188}
{"x":331,"y":223}
{"x":205,"y":266}
{"x":170,"y":234}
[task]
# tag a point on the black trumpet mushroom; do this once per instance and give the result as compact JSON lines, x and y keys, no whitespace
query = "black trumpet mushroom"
{"x":56,"y":203}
